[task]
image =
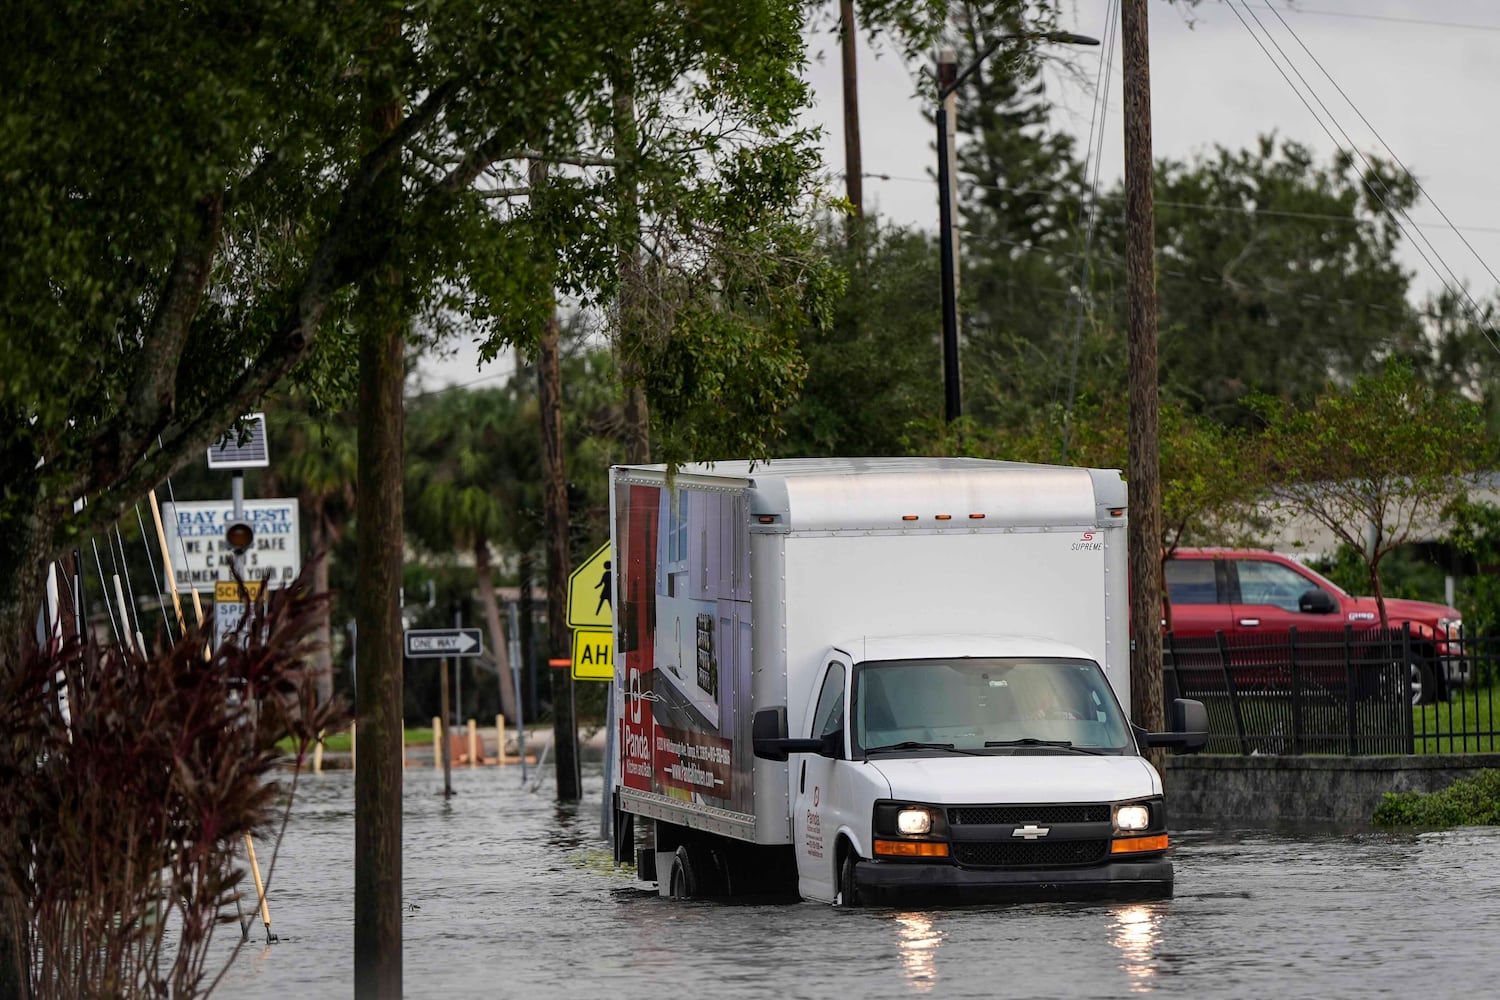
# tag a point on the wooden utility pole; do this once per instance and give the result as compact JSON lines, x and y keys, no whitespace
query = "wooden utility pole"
{"x":559,"y":564}
{"x":1144,"y":469}
{"x":377,"y":781}
{"x":854,"y":184}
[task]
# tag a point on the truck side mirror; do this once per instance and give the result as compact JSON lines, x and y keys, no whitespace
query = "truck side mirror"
{"x":769,"y":740}
{"x":1189,"y":728}
{"x":1317,"y":601}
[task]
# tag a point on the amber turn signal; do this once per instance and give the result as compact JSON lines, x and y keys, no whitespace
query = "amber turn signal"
{"x":911,"y":849}
{"x":1129,"y":845}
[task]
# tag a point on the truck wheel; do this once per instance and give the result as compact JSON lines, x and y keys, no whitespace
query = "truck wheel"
{"x":848,"y":888}
{"x":695,"y":873}
{"x":1425,"y":687}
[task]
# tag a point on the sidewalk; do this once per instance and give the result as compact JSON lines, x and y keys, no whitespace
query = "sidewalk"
{"x":591,"y":742}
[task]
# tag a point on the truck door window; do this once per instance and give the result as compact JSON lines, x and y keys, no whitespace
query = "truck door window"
{"x":1271,"y":583}
{"x":829,"y":715}
{"x":1191,"y":581}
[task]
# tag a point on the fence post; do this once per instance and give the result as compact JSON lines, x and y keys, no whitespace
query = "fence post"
{"x":1234,"y":696}
{"x":1403,"y":675}
{"x":1171,"y":649}
{"x":1296,"y":691}
{"x":1351,"y":718}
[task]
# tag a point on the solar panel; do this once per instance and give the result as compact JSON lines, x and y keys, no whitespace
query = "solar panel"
{"x":246,"y":449}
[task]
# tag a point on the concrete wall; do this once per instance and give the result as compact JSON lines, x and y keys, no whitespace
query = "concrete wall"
{"x":1219,"y":789}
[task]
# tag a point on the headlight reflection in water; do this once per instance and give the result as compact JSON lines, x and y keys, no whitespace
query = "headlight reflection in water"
{"x":917,"y":943}
{"x":1136,"y":932}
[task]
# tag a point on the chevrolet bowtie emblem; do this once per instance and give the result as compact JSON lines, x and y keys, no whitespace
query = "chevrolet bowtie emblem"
{"x":1030,"y":831}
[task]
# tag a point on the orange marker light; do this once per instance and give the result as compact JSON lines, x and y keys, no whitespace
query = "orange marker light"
{"x":911,"y":849}
{"x":1129,"y":845}
{"x":908,"y":517}
{"x":976,"y":517}
{"x":944,"y":517}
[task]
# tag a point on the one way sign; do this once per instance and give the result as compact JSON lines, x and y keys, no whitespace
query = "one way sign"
{"x":435,"y":642}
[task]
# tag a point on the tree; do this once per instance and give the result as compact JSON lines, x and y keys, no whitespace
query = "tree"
{"x":155,"y":289}
{"x":1374,"y":462}
{"x":316,"y":464}
{"x":472,"y":475}
{"x":1021,"y":200}
{"x":1276,"y":274}
{"x":873,"y":379}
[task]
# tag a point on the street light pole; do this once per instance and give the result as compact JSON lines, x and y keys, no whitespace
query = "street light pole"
{"x":949,"y":80}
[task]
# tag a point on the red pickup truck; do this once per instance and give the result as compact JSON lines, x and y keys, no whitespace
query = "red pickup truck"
{"x":1252,"y":592}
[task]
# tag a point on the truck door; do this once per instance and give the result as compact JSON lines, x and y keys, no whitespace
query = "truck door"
{"x":817,"y":783}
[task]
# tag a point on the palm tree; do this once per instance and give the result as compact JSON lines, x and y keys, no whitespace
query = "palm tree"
{"x":472,"y":468}
{"x":318,"y":468}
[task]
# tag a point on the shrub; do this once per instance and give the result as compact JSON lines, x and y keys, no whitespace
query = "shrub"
{"x":120,"y":816}
{"x":1467,"y":802}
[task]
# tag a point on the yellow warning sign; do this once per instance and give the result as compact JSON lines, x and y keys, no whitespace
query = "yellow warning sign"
{"x":591,"y":592}
{"x":593,"y":655}
{"x":231,"y":591}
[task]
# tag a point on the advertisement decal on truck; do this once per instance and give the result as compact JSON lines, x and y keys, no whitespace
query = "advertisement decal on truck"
{"x":684,"y":624}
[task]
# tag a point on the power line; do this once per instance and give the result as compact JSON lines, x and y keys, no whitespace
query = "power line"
{"x":1380,"y":17}
{"x":1201,"y":207}
{"x":1396,"y":209}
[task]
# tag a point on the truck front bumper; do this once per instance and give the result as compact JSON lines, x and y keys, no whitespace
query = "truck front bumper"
{"x":898,"y":883}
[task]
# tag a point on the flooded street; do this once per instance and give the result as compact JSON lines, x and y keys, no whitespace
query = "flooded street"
{"x":509,"y":895}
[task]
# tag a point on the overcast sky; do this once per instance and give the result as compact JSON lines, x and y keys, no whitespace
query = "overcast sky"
{"x":1423,"y":73}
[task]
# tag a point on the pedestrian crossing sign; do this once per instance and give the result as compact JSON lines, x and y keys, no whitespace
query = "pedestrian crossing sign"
{"x":591,"y":592}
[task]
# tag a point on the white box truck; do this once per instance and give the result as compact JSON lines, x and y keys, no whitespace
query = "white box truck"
{"x":878,"y":680}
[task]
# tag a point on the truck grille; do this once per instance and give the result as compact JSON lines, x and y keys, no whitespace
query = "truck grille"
{"x":1032,"y":854}
{"x":1045,"y":813}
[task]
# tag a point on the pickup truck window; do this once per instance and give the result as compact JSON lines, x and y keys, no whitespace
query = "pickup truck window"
{"x":1191,"y":581}
{"x":1008,"y":705}
{"x":1263,"y":582}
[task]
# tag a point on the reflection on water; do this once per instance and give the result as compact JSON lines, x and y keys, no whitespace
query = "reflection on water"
{"x":1136,"y":932}
{"x":507,"y":894}
{"x":917,"y":942}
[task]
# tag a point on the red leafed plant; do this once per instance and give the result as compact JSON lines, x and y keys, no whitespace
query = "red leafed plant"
{"x":120,"y":818}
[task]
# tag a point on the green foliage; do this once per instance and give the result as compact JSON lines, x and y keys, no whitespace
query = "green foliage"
{"x":1473,"y":801}
{"x":1475,"y":532}
{"x":872,"y":374}
{"x":1386,"y":455}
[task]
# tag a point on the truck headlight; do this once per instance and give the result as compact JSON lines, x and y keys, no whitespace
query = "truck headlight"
{"x":1132,"y":817}
{"x":1452,"y":628}
{"x":914,"y":822}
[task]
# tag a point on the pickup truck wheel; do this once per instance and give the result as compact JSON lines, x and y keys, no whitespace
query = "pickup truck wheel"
{"x":1425,"y":687}
{"x":848,"y":888}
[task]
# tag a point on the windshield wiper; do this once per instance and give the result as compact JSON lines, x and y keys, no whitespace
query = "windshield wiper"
{"x":1032,"y":741}
{"x":916,"y":745}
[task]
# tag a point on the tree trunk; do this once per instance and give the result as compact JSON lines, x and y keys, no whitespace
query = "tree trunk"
{"x":1144,"y":465}
{"x":853,"y":162}
{"x":559,"y":564}
{"x":630,"y":331}
{"x":323,"y":657}
{"x":527,"y":639}
{"x":491,"y":607}
{"x":377,"y":780}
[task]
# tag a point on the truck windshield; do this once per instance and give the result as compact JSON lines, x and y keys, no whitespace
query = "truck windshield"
{"x":1009,"y":705}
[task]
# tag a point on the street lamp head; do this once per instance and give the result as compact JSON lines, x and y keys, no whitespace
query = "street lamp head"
{"x":1069,"y":38}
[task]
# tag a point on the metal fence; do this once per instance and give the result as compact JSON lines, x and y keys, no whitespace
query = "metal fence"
{"x":1342,"y":691}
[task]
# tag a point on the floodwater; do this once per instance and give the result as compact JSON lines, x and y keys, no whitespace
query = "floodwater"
{"x":509,"y":895}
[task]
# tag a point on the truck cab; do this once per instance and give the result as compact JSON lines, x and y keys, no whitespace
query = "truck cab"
{"x":971,"y":768}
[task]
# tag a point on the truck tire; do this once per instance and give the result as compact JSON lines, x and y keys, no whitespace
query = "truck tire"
{"x":848,"y":888}
{"x":1426,"y":688}
{"x":696,"y":873}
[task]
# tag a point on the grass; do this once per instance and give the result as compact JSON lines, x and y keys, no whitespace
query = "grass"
{"x":1455,"y":726}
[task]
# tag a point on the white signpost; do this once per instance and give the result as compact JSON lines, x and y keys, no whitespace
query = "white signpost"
{"x":201,"y":556}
